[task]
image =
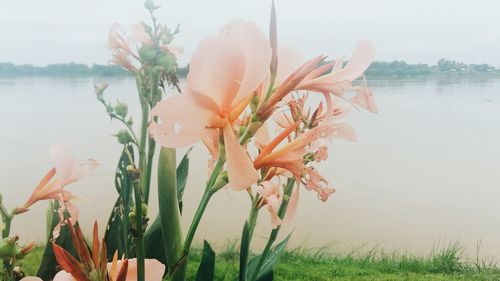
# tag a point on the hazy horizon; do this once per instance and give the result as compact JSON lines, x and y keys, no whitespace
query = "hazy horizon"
{"x":59,"y":31}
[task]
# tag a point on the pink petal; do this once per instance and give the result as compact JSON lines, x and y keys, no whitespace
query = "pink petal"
{"x":73,"y":212}
{"x":137,"y":34}
{"x":182,"y":121}
{"x":364,"y":98}
{"x":63,"y":160}
{"x":292,"y":205}
{"x":154,"y":270}
{"x":31,"y":278}
{"x":361,"y":58}
{"x":240,"y":168}
{"x":63,"y":276}
{"x":256,"y":49}
{"x":262,"y":135}
{"x":289,"y":59}
{"x":216,"y":70}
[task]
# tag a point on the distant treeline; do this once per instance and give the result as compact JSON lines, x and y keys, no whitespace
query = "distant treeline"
{"x":402,"y":68}
{"x":378,"y":68}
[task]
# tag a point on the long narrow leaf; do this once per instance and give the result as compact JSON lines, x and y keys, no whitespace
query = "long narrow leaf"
{"x":269,"y":263}
{"x":207,"y":266}
{"x":118,"y":236}
{"x":244,"y":251}
{"x":169,"y":208}
{"x":182,"y":175}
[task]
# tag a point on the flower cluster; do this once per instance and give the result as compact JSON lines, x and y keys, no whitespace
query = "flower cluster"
{"x":242,"y":87}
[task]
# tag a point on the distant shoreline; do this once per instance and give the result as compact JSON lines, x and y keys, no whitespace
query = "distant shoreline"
{"x":377,"y":70}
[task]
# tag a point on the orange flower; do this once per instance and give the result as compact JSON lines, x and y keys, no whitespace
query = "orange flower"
{"x":224,"y":72}
{"x":66,"y":170}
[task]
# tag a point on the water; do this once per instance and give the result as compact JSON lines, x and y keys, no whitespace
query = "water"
{"x":425,"y":170}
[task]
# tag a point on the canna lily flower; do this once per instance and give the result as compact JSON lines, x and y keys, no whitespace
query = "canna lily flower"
{"x":225,"y":70}
{"x":339,"y":79}
{"x":92,"y":263}
{"x":154,"y":271}
{"x":272,"y":198}
{"x":66,"y":170}
{"x":119,"y":44}
{"x":318,"y":183}
{"x":291,"y":155}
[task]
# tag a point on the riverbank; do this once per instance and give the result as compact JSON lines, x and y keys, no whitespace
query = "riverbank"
{"x":320,"y":265}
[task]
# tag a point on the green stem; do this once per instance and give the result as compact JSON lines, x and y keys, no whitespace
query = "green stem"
{"x":196,"y":220}
{"x":139,"y":240}
{"x":274,"y":233}
{"x":149,"y":168}
{"x":247,"y":235}
{"x":142,"y":148}
{"x":7,"y":219}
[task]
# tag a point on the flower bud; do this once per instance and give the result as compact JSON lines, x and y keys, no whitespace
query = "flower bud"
{"x":94,"y":275}
{"x":124,"y":137}
{"x":131,"y":216}
{"x":144,"y":209}
{"x":147,"y":53}
{"x":99,"y":90}
{"x":121,"y":109}
{"x":167,"y":61}
{"x":150,"y":5}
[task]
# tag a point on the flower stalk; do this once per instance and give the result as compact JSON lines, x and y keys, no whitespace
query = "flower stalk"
{"x":274,"y":233}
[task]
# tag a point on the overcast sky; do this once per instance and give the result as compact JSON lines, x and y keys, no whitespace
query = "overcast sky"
{"x":50,"y":31}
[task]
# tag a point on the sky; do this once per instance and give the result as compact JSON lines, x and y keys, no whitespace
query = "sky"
{"x":423,"y":31}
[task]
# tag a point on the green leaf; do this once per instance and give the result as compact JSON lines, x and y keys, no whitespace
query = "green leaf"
{"x":118,"y":236}
{"x":182,"y":175}
{"x":266,"y":270}
{"x":153,"y":242}
{"x":169,"y":208}
{"x":48,"y":265}
{"x":207,"y":265}
{"x":153,"y":238}
{"x":244,"y":251}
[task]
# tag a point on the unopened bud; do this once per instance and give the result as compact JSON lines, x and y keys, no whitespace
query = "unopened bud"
{"x":124,"y":137}
{"x":131,"y":216}
{"x":150,"y":5}
{"x":147,"y":53}
{"x":94,"y":275}
{"x":121,"y":109}
{"x":99,"y":89}
{"x":254,"y":103}
{"x":167,"y":61}
{"x":144,"y":209}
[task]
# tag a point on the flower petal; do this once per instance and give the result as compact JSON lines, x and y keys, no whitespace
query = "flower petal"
{"x":216,"y":70}
{"x":289,"y":59}
{"x":361,"y":58}
{"x":240,"y":168}
{"x":182,"y":121}
{"x":31,"y":278}
{"x":63,"y":276}
{"x":364,"y":98}
{"x":256,"y":49}
{"x":154,"y":270}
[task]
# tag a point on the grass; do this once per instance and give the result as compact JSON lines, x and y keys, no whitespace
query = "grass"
{"x":443,"y":264}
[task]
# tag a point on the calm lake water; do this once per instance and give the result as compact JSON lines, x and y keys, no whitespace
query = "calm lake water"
{"x":425,"y":171}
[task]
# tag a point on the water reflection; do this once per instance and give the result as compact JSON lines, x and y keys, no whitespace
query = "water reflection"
{"x":424,"y":169}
